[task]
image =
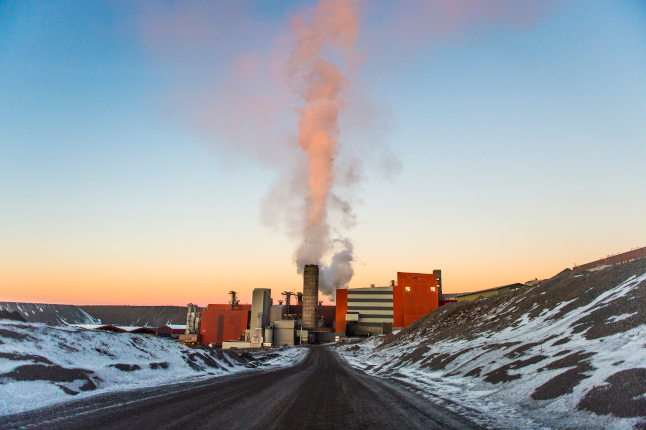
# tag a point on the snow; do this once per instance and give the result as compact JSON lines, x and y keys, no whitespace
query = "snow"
{"x":509,"y":404}
{"x":156,"y":361}
{"x":617,"y":318}
{"x":129,"y":328}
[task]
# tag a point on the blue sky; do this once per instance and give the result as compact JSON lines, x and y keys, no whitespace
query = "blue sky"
{"x":522,"y":151}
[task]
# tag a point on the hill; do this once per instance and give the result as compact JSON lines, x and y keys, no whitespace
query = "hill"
{"x":42,"y":364}
{"x":150,"y":316}
{"x":49,"y":314}
{"x":568,"y":353}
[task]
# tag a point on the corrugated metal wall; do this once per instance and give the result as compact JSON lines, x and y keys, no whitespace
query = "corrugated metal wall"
{"x":219,"y":325}
{"x":419,"y":296}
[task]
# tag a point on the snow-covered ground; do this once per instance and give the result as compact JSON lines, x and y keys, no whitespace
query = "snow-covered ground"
{"x":41,"y":365}
{"x":569,"y":353}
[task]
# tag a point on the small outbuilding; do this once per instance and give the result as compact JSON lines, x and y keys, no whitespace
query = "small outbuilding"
{"x":171,"y":330}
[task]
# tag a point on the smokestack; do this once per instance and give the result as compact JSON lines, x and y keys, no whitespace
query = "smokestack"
{"x":310,"y":295}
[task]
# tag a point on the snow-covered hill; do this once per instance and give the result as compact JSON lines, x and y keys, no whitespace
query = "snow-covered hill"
{"x":149,"y":316}
{"x":42,"y":364}
{"x":49,"y":314}
{"x":569,"y":353}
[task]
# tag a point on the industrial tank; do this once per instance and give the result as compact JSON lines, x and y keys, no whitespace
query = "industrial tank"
{"x":310,"y":296}
{"x":269,"y":335}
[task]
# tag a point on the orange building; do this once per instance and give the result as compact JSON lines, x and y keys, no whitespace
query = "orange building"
{"x":414,"y":296}
{"x":222,"y":325}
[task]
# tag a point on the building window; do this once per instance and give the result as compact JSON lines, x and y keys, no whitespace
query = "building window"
{"x":432,"y":288}
{"x":415,"y":277}
{"x":407,"y":288}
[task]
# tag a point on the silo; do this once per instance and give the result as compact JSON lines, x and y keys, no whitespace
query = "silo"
{"x":310,"y":295}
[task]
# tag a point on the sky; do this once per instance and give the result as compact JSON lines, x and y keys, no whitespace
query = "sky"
{"x":148,"y":151}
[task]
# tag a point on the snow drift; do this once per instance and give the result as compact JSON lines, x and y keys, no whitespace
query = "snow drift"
{"x":568,"y":353}
{"x":41,"y":365}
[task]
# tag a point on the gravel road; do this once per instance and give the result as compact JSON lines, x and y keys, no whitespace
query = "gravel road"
{"x":321,"y":392}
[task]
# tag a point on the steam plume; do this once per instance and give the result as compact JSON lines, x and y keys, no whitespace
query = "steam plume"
{"x":333,"y":26}
{"x":247,"y":108}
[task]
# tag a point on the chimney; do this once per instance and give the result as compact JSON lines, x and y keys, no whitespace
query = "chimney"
{"x":310,"y":296}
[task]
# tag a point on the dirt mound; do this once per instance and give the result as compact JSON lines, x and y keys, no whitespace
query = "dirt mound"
{"x":149,"y":316}
{"x":46,"y":313}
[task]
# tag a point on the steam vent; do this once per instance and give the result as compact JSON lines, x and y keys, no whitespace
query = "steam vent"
{"x":310,"y":295}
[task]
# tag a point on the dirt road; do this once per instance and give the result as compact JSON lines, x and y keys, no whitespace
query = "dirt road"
{"x":322,"y":392}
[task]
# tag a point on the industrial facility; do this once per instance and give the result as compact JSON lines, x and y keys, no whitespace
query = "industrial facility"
{"x":358,"y":312}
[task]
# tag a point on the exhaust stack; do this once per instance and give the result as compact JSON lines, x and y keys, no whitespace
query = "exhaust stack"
{"x":310,"y":296}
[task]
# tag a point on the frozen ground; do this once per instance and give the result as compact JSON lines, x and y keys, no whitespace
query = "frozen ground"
{"x":569,"y":353}
{"x":41,"y":365}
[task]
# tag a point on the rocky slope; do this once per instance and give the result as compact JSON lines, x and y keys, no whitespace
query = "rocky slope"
{"x":568,"y":353}
{"x":149,"y":316}
{"x":49,"y":314}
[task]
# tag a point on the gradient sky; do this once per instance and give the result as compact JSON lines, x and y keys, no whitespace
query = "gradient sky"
{"x":510,"y":145}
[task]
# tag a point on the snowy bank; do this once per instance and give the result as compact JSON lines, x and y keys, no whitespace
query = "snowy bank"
{"x":41,"y":365}
{"x":569,"y":353}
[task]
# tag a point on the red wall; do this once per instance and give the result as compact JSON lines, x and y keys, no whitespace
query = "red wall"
{"x":328,"y":313}
{"x":228,"y":306}
{"x":444,"y":302}
{"x":418,"y":301}
{"x":341,"y":310}
{"x":219,"y":325}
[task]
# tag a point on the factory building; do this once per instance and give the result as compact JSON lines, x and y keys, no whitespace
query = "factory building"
{"x":221,"y":325}
{"x":358,"y":312}
{"x":377,"y":310}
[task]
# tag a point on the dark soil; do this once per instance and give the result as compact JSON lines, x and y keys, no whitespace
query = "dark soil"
{"x":127,"y":367}
{"x":500,"y":375}
{"x":568,"y":361}
{"x":53,"y":373}
{"x":162,"y":365}
{"x":474,"y":372}
{"x":440,"y":361}
{"x":24,"y":357}
{"x":622,"y":397}
{"x":191,"y":359}
{"x":16,"y":336}
{"x":561,"y":341}
{"x":13,"y":316}
{"x":565,"y":382}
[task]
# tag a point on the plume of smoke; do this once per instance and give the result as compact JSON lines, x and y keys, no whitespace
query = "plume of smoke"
{"x":333,"y":25}
{"x":339,"y":273}
{"x":247,"y":108}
